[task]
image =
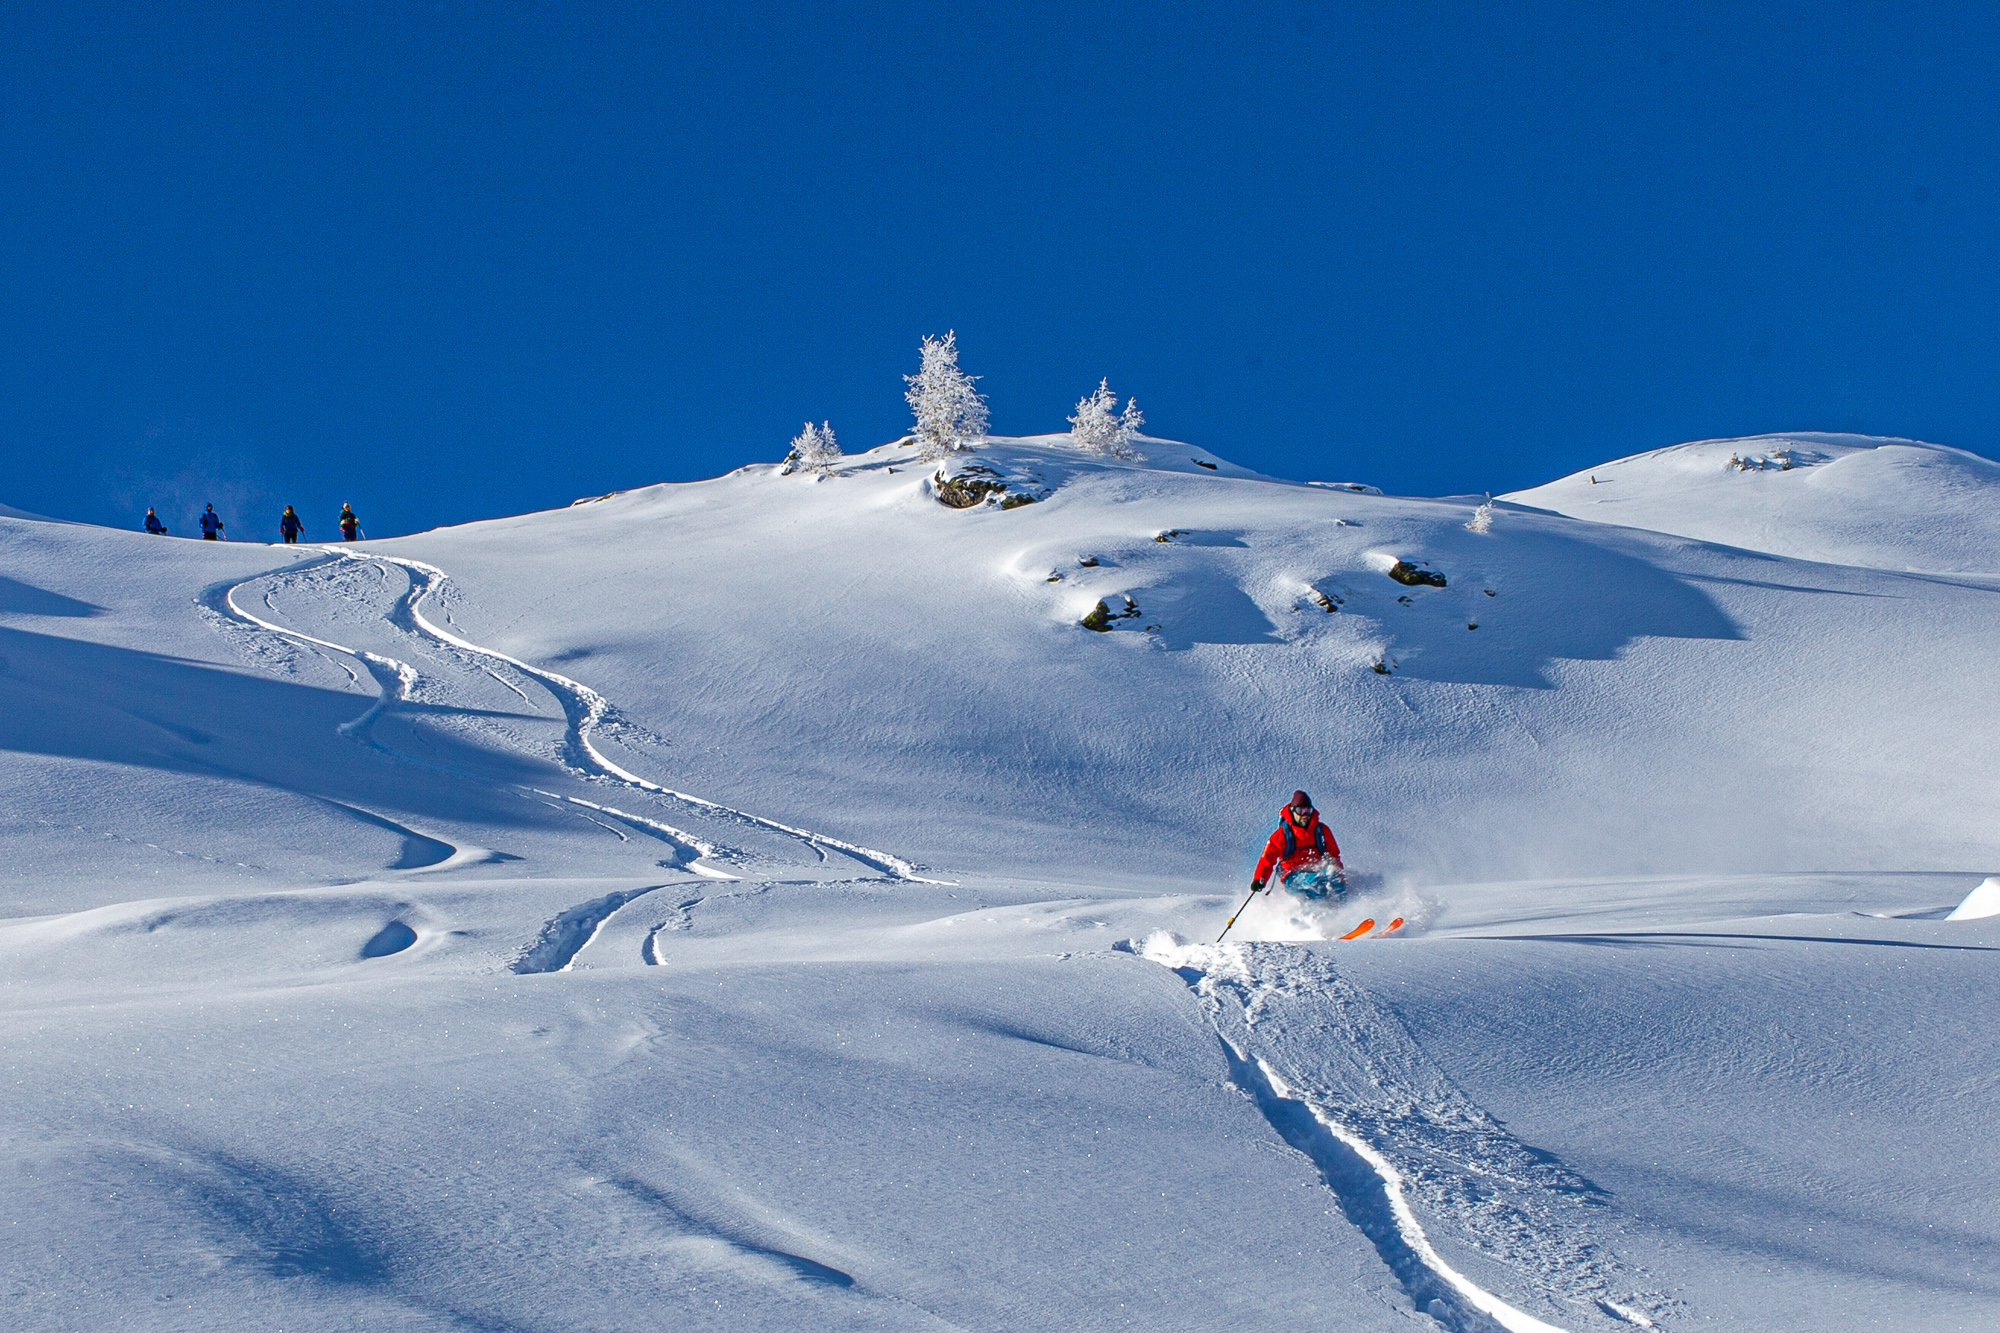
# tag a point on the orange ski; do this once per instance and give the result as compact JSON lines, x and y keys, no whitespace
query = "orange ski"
{"x":1397,"y":924}
{"x":1360,"y":930}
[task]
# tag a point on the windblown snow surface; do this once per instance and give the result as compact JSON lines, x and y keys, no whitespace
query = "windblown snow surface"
{"x":760,"y":904}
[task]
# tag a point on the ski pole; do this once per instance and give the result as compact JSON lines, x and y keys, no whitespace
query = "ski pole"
{"x":1239,"y":912}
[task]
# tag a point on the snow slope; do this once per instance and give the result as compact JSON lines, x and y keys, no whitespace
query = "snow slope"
{"x":761,"y":903}
{"x":1845,"y":499}
{"x":870,"y":644}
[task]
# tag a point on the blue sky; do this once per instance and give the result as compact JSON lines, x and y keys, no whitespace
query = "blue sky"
{"x":447,"y":261}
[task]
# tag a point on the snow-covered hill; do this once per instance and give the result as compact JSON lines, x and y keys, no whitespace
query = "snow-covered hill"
{"x":743,"y":905}
{"x":918,"y":672}
{"x":1845,"y":499}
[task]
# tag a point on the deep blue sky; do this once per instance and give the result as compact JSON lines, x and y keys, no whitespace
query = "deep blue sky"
{"x":454,"y":260}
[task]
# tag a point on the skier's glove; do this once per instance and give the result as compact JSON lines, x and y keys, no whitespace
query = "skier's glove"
{"x":1256,"y":886}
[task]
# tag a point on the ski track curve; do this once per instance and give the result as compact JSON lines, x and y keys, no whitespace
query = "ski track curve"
{"x":584,"y":710}
{"x":569,"y":932}
{"x":1341,"y":1080}
{"x":395,"y":678}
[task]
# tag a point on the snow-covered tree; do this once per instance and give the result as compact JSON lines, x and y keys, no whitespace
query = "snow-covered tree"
{"x":950,"y":413}
{"x":814,"y":447}
{"x":1129,"y":422}
{"x":1482,"y":518}
{"x":1099,"y":428}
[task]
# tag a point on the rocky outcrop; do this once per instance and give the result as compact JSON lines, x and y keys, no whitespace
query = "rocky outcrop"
{"x":1411,"y":576}
{"x":969,"y":485}
{"x":968,"y":488}
{"x":1102,"y":617}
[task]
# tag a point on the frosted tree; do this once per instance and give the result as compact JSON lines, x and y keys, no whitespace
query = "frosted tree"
{"x":814,"y":447}
{"x":1099,"y":428}
{"x":1482,"y":517}
{"x":950,"y":413}
{"x":1129,"y":422}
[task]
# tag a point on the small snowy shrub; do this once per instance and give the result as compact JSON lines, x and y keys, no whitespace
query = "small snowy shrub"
{"x":1482,"y":518}
{"x":814,"y":447}
{"x":950,"y":413}
{"x":1099,"y":428}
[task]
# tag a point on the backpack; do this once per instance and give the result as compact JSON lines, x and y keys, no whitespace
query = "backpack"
{"x":1292,"y":837}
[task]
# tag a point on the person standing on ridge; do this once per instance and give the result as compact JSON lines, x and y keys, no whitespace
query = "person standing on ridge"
{"x":153,"y":524}
{"x":211,"y":524}
{"x":1302,"y":854}
{"x":289,"y":525}
{"x":349,"y":524}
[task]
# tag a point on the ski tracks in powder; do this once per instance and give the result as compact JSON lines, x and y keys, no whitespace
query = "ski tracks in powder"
{"x":1416,"y":1165}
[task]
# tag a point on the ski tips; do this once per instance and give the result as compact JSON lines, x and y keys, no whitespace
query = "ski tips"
{"x":1369,"y":924}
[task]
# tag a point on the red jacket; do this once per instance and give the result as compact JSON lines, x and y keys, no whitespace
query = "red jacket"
{"x":1292,"y":847}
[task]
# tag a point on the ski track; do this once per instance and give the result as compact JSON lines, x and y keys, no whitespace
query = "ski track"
{"x":568,"y":933}
{"x":682,"y":919}
{"x":1344,"y":1083}
{"x":584,"y":711}
{"x":395,"y":678}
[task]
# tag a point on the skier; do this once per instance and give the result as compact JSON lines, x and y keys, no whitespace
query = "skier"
{"x":211,"y":524}
{"x":289,"y":524}
{"x":1302,"y":853}
{"x":349,"y":524}
{"x":153,"y":524}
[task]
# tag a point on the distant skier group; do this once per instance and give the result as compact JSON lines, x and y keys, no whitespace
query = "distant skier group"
{"x":290,"y":525}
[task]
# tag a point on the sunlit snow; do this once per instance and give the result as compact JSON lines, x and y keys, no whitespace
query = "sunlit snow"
{"x":763,"y":904}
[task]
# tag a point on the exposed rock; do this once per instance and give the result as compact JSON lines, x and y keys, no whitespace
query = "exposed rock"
{"x":1170,"y":534}
{"x":1087,"y":561}
{"x":967,"y":489}
{"x":1410,"y":576}
{"x":1101,"y":616}
{"x":961,"y":483}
